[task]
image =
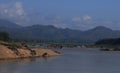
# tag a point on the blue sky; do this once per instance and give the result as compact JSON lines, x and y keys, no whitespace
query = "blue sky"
{"x":75,"y":14}
{"x":96,"y":8}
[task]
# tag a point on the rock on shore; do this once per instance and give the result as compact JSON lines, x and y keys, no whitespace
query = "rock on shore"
{"x":7,"y":53}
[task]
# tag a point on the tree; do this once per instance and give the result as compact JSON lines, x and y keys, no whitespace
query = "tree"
{"x":4,"y":36}
{"x":112,"y":41}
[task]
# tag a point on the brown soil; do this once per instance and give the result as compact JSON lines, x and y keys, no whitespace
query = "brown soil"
{"x":7,"y":53}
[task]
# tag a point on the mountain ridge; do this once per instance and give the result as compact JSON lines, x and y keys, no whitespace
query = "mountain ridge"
{"x":49,"y":32}
{"x":9,"y":24}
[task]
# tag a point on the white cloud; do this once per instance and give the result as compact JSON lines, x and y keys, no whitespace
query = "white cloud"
{"x":19,"y":8}
{"x":76,"y":19}
{"x":5,"y":11}
{"x":87,"y":22}
{"x":86,"y":18}
{"x":18,"y":4}
{"x":82,"y":19}
{"x":13,"y":11}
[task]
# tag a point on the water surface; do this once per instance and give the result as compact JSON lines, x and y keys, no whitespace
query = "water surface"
{"x":73,"y":61}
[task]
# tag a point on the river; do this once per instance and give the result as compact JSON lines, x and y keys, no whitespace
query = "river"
{"x":73,"y":61}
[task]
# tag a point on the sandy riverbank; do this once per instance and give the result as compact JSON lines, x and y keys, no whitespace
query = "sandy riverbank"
{"x":6,"y":53}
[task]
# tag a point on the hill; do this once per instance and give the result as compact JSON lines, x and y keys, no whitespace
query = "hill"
{"x":101,"y":32}
{"x":9,"y":24}
{"x":47,"y":33}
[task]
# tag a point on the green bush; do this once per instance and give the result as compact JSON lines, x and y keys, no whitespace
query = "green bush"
{"x":4,"y":36}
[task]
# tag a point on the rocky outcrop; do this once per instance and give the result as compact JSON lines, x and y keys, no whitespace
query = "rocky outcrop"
{"x":8,"y":53}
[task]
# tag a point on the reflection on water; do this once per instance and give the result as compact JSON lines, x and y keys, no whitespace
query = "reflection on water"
{"x":73,"y":61}
{"x":18,"y":65}
{"x":27,"y":60}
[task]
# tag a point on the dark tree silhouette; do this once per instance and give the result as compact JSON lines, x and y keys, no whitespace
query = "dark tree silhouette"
{"x":4,"y":36}
{"x":112,"y":41}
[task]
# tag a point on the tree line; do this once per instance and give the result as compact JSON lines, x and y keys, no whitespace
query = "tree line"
{"x":111,"y":41}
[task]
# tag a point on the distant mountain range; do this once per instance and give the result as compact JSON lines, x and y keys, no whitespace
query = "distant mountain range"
{"x":9,"y":24}
{"x":51,"y":33}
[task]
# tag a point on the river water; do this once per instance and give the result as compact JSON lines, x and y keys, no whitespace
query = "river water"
{"x":73,"y":61}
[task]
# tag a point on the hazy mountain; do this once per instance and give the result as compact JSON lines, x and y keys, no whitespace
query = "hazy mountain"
{"x":49,"y":32}
{"x":101,"y":32}
{"x":9,"y":24}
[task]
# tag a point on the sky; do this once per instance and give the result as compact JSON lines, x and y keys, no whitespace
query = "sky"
{"x":74,"y":14}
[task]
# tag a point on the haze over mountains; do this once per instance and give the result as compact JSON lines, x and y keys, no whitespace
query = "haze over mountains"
{"x":51,"y":33}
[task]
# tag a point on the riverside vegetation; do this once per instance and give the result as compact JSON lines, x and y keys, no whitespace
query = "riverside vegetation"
{"x":111,"y":44}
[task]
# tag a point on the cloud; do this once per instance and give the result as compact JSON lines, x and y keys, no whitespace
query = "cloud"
{"x":19,"y":8}
{"x":76,"y":19}
{"x":13,"y":11}
{"x":12,"y":8}
{"x":86,"y":18}
{"x":83,"y":20}
{"x":87,"y":22}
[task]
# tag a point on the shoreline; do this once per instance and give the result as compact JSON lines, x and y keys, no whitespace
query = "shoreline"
{"x":7,"y":53}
